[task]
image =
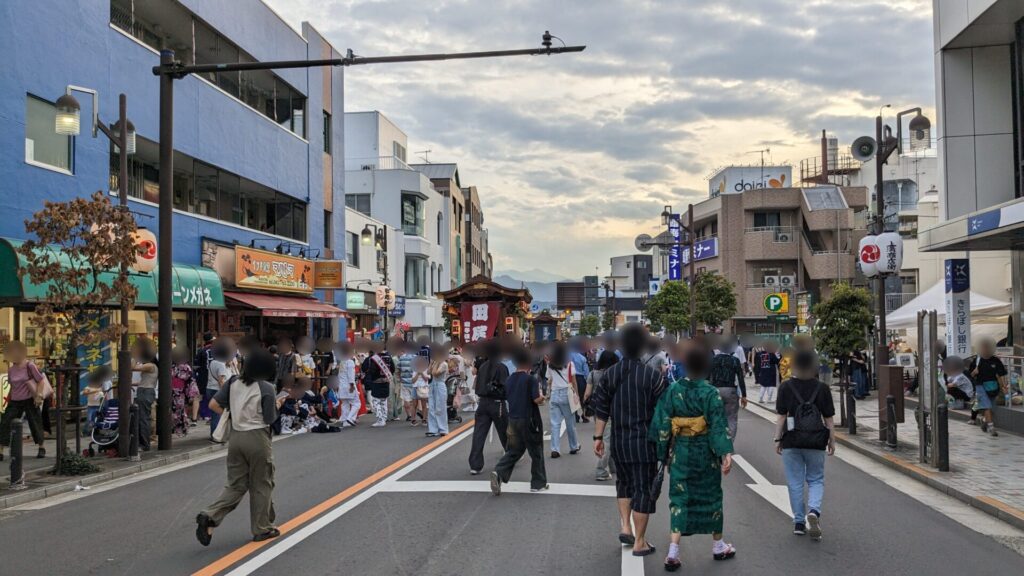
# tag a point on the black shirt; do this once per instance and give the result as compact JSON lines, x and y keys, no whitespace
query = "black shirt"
{"x":376,"y":379}
{"x":787,"y":403}
{"x":488,"y":370}
{"x":627,"y":396}
{"x":727,"y":372}
{"x":766,"y":366}
{"x":989,"y":369}
{"x":522,"y":388}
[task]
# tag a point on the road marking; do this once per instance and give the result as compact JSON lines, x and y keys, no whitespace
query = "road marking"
{"x":331,"y":509}
{"x":631,"y":565}
{"x":485,"y":486}
{"x":776,"y":495}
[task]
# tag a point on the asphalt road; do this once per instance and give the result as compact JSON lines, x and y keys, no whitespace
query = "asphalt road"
{"x":427,"y":516}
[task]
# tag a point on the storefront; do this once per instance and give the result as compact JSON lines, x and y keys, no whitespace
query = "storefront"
{"x":364,"y":316}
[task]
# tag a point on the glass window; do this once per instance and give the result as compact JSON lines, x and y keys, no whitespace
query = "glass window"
{"x":398,"y":151}
{"x":327,"y":132}
{"x":767,"y":219}
{"x":412,"y":215}
{"x":230,"y":199}
{"x":358,"y":202}
{"x":440,"y":228}
{"x":206,"y":190}
{"x":299,"y":221}
{"x":416,"y":277}
{"x":184,"y":193}
{"x":42,"y":143}
{"x":283,"y":211}
{"x":352,"y":249}
{"x":298,"y":114}
{"x":282,"y":104}
{"x":328,"y":229}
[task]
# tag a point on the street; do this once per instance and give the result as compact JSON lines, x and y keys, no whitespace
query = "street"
{"x":388,"y":501}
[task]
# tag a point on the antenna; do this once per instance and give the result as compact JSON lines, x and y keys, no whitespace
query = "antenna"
{"x":424,"y":155}
{"x":762,"y":152}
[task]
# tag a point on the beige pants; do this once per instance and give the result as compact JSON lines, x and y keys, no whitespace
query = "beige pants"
{"x":250,"y":469}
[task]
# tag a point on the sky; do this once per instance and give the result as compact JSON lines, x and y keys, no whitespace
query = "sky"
{"x":574,"y":155}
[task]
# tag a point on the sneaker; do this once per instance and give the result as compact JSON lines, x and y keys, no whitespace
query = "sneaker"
{"x":473,"y":472}
{"x":576,"y":451}
{"x":556,"y":455}
{"x":800,"y":529}
{"x":603,"y":478}
{"x":972,"y":422}
{"x":814,"y":525}
{"x":984,"y":426}
{"x":379,"y":424}
{"x":495,"y":484}
{"x":346,"y":424}
{"x":541,"y":489}
{"x":992,"y":430}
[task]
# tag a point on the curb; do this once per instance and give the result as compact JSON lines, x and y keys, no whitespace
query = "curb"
{"x":933,"y":478}
{"x":32,"y":495}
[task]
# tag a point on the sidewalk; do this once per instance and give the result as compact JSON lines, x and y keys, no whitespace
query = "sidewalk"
{"x":40,"y":484}
{"x":985,"y":472}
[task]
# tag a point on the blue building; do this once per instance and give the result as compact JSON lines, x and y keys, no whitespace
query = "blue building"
{"x":255,"y":152}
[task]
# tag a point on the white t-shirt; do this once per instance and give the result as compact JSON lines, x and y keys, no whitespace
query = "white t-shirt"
{"x":560,"y":379}
{"x":740,"y":354}
{"x":219,"y":371}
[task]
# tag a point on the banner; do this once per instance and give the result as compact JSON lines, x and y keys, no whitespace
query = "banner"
{"x":702,"y":250}
{"x":675,"y":257}
{"x":479,"y":320}
{"x":262,"y":270}
{"x":958,"y":307}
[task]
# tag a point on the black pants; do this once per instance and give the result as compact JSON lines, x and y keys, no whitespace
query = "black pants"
{"x":520,"y":441}
{"x":488,"y":411}
{"x":25,"y":409}
{"x":144,"y":399}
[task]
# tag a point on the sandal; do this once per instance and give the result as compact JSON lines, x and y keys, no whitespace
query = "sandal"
{"x":627,"y":539}
{"x":203,"y":525}
{"x":650,"y":550}
{"x":272,"y":533}
{"x":729,"y":552}
{"x":672,"y":564}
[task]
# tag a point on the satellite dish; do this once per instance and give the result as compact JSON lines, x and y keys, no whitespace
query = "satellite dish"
{"x":643,"y":242}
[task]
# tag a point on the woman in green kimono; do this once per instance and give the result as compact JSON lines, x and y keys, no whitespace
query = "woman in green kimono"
{"x":689,"y":428}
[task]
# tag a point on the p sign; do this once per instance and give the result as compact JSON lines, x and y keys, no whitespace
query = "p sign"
{"x":777,"y":303}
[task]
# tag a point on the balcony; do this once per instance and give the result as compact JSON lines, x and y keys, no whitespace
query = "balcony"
{"x":770,"y":243}
{"x":827,"y":264}
{"x":376,"y":163}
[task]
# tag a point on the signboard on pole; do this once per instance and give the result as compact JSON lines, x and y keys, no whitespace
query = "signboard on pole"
{"x":675,"y":256}
{"x":702,"y":250}
{"x":777,"y":303}
{"x":803,"y":311}
{"x":958,"y":307}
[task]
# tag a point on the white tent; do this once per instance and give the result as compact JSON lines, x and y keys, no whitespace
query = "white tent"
{"x":983,"y":308}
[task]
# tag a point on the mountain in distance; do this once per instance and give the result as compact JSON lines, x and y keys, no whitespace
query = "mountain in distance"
{"x":534,"y":275}
{"x":546,"y":292}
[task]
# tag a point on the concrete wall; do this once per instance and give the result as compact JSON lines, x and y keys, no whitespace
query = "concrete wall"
{"x":370,"y":135}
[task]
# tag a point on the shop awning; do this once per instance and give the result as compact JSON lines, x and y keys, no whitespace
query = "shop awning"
{"x":193,"y":287}
{"x":285,"y":306}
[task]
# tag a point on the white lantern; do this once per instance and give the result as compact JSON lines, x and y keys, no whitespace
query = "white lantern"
{"x":146,"y":259}
{"x":869,"y":254}
{"x":890,"y":246}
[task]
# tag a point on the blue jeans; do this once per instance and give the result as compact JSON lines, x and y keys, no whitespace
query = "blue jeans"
{"x":214,"y":417}
{"x":560,"y":411}
{"x":437,"y":408}
{"x":804,"y":466}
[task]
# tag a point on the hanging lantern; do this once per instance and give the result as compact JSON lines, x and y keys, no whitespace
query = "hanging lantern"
{"x":868,"y":255}
{"x":890,"y":247}
{"x":146,"y":259}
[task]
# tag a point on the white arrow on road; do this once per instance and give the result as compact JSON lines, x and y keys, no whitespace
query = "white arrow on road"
{"x":776,"y":495}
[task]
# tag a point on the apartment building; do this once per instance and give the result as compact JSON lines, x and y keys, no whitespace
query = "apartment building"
{"x":445,"y":178}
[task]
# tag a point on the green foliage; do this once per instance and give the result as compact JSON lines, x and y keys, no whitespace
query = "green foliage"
{"x":716,"y":300}
{"x":670,"y":308}
{"x":841,"y":321}
{"x":590,"y":325}
{"x":73,"y":464}
{"x":607,"y":320}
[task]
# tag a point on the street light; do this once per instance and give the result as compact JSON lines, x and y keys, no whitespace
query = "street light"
{"x":373,"y":234}
{"x":122,"y":135}
{"x":686,"y":239}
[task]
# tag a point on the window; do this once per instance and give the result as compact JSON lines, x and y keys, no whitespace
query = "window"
{"x":440,"y":228}
{"x":641,"y":264}
{"x":327,"y":132}
{"x":328,"y":229}
{"x":398,"y":151}
{"x":352,"y":249}
{"x":767,"y":219}
{"x":412,"y":215}
{"x":358,"y":202}
{"x":42,"y":144}
{"x":416,"y":277}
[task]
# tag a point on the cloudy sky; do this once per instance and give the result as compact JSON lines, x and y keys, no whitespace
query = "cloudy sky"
{"x":575,"y":155}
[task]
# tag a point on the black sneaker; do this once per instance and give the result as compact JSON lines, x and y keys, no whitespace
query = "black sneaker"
{"x":984,"y":426}
{"x":495,"y":484}
{"x":800,"y":529}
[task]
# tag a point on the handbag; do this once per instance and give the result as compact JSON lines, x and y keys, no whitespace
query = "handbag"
{"x":991,"y":388}
{"x":223,"y":430}
{"x":423,"y":392}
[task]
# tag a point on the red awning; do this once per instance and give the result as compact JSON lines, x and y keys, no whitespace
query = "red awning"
{"x":285,"y":306}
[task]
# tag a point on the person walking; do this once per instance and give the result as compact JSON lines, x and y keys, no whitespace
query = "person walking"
{"x":183,"y":391}
{"x":989,"y":374}
{"x":605,"y":360}
{"x":525,"y":427}
{"x":144,"y":363}
{"x":27,"y":386}
{"x":405,"y":377}
{"x":581,"y":369}
{"x":627,"y":398}
{"x":252,"y":409}
{"x":803,"y":436}
{"x":692,"y":438}
{"x":562,"y":384}
{"x":348,"y":391}
{"x":377,"y":372}
{"x":489,"y":387}
{"x":437,"y":403}
{"x":222,"y":368}
{"x":766,"y":371}
{"x":727,"y":377}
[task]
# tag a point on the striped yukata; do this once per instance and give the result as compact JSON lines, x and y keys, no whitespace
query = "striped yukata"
{"x":628,"y":396}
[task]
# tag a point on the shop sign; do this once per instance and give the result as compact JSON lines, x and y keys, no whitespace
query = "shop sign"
{"x":675,"y":260}
{"x":803,"y":310}
{"x":329,"y":275}
{"x":479,"y":320}
{"x":399,"y":309}
{"x":90,"y":356}
{"x":777,"y":303}
{"x":702,"y":250}
{"x":358,"y":301}
{"x":262,"y":270}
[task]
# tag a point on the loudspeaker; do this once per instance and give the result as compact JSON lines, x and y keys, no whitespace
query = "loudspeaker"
{"x":864,"y":148}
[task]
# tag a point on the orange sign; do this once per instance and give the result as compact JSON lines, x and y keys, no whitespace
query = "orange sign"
{"x":329,"y":274}
{"x":262,"y":270}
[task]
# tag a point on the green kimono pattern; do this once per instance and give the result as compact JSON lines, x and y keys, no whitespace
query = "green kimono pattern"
{"x":694,"y":474}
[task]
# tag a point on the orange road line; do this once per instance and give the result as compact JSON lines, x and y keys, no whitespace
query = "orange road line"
{"x":247,"y":550}
{"x":1011,"y":510}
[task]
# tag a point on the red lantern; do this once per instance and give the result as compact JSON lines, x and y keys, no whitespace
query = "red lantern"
{"x":145,"y":241}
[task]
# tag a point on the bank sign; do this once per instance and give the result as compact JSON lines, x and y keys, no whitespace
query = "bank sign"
{"x":739,"y":179}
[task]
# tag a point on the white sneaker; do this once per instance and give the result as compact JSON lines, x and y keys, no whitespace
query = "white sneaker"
{"x":346,"y":424}
{"x":285,"y":430}
{"x":814,"y":526}
{"x":378,"y":424}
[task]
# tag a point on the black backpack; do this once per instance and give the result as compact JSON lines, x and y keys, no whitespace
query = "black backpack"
{"x":489,"y":384}
{"x":809,"y":430}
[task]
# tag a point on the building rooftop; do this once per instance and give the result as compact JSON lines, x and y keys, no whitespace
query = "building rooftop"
{"x":438,"y":171}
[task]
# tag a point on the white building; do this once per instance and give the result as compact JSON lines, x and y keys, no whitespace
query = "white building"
{"x":365,"y":266}
{"x":379,"y":184}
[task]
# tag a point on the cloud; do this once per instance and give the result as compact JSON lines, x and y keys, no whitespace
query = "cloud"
{"x":576,"y":154}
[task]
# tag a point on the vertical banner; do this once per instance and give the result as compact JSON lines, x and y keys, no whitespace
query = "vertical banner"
{"x":93,"y":355}
{"x":675,"y":256}
{"x":958,"y":307}
{"x":479,"y":320}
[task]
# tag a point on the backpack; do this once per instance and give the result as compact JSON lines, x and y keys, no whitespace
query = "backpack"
{"x":202,"y":366}
{"x":809,"y":430}
{"x":723,"y":370}
{"x":491,"y":386}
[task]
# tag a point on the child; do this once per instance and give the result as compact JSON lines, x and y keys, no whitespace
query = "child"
{"x":421,"y":386}
{"x":958,"y":385}
{"x":330,"y":401}
{"x":306,"y":363}
{"x":96,"y":391}
{"x":289,"y":409}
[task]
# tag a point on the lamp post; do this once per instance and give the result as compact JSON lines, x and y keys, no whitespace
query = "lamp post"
{"x":122,"y":135}
{"x":686,"y":239}
{"x":170,"y":70}
{"x":378,"y":237}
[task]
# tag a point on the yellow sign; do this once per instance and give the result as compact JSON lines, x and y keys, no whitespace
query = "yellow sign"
{"x":262,"y":270}
{"x":777,"y":303}
{"x":329,"y":274}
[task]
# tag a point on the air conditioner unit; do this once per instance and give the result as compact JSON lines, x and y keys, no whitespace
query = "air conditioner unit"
{"x":787,"y":281}
{"x":367,"y":167}
{"x":771,"y":281}
{"x":783,"y":236}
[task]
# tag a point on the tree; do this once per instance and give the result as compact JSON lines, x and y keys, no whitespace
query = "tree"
{"x":607,"y":320}
{"x":79,"y":248}
{"x":716,"y":299}
{"x":590,"y":325}
{"x":669,"y":309}
{"x":841,"y":323}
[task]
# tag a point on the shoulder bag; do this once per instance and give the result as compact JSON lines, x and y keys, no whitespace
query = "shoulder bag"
{"x":223,"y":430}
